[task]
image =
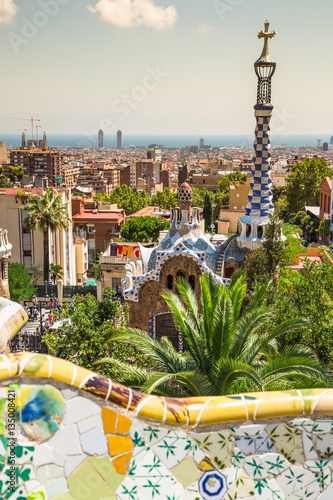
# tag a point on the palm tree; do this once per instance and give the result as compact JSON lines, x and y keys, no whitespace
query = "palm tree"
{"x":56,"y":272}
{"x":46,"y":212}
{"x":230,"y":348}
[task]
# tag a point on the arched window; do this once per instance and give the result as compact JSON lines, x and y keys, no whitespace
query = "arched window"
{"x":180,"y":274}
{"x":248,"y":230}
{"x":191,"y":281}
{"x":170,"y":282}
{"x":260,"y":232}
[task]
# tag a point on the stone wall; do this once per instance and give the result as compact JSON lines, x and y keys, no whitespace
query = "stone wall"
{"x":150,"y":300}
{"x":79,"y":436}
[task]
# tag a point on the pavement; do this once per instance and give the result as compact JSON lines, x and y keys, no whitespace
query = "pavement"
{"x":31,"y":326}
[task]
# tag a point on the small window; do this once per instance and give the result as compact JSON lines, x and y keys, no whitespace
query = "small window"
{"x":170,"y":282}
{"x":248,"y":230}
{"x":180,"y":274}
{"x":191,"y":281}
{"x":260,"y":232}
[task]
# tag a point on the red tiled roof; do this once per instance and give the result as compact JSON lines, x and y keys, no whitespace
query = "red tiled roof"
{"x":99,"y":216}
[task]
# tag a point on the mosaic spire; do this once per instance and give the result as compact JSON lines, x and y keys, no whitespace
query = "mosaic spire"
{"x":260,"y":199}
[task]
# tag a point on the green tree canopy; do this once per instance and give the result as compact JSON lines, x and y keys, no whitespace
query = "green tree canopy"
{"x":46,"y":212}
{"x":303,"y":183}
{"x":20,"y":287}
{"x":3,"y":181}
{"x":228,"y":346}
{"x":126,"y":199}
{"x":207,"y":213}
{"x":143,"y":229}
{"x":165,"y":199}
{"x":56,"y":271}
{"x":81,"y":337}
{"x":16,"y":173}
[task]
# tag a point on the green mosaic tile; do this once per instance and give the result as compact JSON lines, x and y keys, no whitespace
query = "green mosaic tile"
{"x":86,"y":483}
{"x":115,"y":481}
{"x":186,"y":472}
{"x":103,"y":465}
{"x":64,"y":496}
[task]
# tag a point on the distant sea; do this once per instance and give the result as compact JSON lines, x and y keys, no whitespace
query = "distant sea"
{"x":169,"y":141}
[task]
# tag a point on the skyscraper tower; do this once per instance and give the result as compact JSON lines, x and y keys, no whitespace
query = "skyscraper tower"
{"x":24,"y":140}
{"x":100,"y":139}
{"x":119,"y":139}
{"x":45,"y":146}
{"x":260,"y":199}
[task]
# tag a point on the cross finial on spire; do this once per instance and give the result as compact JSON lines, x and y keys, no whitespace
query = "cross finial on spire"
{"x":266,"y":35}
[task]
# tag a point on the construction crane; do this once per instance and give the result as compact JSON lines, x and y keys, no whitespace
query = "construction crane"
{"x":31,"y":120}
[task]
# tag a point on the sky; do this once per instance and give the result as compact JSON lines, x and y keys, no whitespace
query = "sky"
{"x":163,"y":66}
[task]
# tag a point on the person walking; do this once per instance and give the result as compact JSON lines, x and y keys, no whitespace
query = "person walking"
{"x":51,"y":303}
{"x":35,"y":312}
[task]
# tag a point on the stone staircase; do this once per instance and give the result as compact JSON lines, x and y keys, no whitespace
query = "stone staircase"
{"x":220,"y":260}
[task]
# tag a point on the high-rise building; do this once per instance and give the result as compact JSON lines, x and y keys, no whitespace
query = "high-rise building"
{"x":119,"y":139}
{"x":325,"y":146}
{"x":100,"y":139}
{"x":331,"y":141}
{"x":24,"y":140}
{"x":154,"y":154}
{"x":202,"y":143}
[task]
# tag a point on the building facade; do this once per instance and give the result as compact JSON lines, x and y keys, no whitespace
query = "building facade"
{"x":39,"y":162}
{"x":186,"y":252}
{"x":28,"y":246}
{"x":5,"y":253}
{"x":100,"y":139}
{"x":119,"y":139}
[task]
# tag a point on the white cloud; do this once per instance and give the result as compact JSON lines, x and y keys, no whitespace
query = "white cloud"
{"x":204,"y":29}
{"x":129,"y":13}
{"x":7,"y":11}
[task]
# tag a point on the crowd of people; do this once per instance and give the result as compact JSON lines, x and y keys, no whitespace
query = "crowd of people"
{"x":34,"y":310}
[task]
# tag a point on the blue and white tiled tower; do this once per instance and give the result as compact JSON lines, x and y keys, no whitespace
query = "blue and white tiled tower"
{"x":260,"y":200}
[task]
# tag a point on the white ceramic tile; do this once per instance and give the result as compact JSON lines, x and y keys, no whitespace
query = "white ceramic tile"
{"x":268,"y":489}
{"x":59,"y":458}
{"x":78,"y":409}
{"x":172,"y":448}
{"x":256,"y":444}
{"x":274,"y":463}
{"x":93,"y":442}
{"x":68,"y":394}
{"x":298,"y":483}
{"x":72,"y":463}
{"x":327,"y":494}
{"x":248,"y":430}
{"x":43,"y":455}
{"x":254,"y":467}
{"x":66,"y":441}
{"x":324,"y":445}
{"x":322,"y":427}
{"x":56,"y":487}
{"x":32,"y":485}
{"x":308,"y":446}
{"x":90,"y":423}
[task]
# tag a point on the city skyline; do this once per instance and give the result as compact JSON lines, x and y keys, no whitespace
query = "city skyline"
{"x":160,"y":67}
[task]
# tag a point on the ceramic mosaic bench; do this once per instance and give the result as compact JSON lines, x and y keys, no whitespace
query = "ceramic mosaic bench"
{"x":79,"y":436}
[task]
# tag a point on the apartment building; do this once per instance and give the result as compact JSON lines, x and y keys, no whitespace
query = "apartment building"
{"x":28,"y":246}
{"x":39,"y":162}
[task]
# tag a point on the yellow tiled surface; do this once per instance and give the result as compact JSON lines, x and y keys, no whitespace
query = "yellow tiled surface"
{"x":192,"y":411}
